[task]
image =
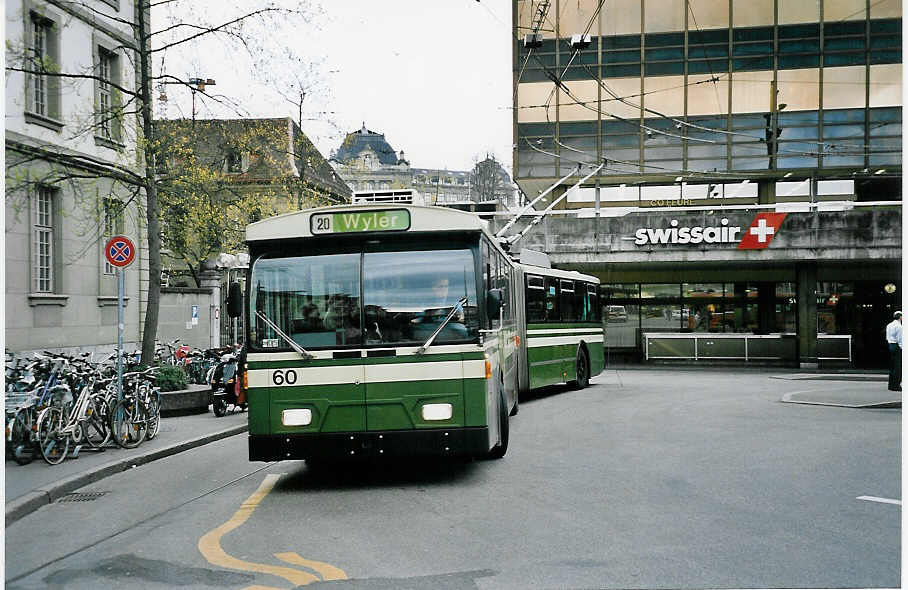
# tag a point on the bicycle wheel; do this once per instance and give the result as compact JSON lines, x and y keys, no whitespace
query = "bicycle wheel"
{"x":94,"y":427}
{"x":127,"y":426}
{"x":154,"y":415}
{"x":20,"y":443}
{"x":53,"y":444}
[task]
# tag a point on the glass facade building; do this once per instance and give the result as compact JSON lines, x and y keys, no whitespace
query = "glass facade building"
{"x":764,"y":106}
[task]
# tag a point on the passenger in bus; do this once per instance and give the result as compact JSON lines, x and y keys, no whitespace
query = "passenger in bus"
{"x":312,"y":319}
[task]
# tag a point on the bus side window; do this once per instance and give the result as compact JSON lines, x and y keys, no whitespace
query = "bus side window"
{"x":569,"y":312}
{"x":485,"y":263}
{"x":585,"y":302}
{"x":504,"y":285}
{"x":494,"y":271}
{"x":552,"y":313}
{"x":582,"y":302}
{"x":535,"y":295}
{"x":593,"y":296}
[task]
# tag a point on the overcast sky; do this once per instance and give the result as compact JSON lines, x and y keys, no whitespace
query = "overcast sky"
{"x":433,"y":75}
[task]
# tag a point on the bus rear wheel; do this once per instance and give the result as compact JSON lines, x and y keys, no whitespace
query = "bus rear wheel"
{"x":583,"y":371}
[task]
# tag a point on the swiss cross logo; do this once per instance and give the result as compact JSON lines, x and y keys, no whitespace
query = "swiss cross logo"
{"x":764,"y":227}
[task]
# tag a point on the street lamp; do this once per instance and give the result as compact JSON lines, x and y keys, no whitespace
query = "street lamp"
{"x":194,"y":84}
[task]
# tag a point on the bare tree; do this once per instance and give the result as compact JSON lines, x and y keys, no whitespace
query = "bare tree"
{"x":240,"y":28}
{"x":488,"y":181}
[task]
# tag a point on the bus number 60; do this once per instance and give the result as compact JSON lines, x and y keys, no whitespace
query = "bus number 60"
{"x":287,"y":377}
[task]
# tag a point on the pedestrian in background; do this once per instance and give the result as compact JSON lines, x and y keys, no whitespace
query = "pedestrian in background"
{"x":894,"y":340}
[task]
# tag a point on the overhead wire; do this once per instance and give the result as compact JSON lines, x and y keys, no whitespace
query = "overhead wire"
{"x":559,"y":83}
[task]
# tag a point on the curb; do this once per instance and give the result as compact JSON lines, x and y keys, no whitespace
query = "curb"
{"x":31,"y":501}
{"x":833,"y":377}
{"x":889,"y":404}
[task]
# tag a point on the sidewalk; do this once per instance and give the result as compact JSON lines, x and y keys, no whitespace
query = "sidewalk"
{"x":28,"y":487}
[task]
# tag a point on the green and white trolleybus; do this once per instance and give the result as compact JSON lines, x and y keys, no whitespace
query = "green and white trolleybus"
{"x":387,"y":329}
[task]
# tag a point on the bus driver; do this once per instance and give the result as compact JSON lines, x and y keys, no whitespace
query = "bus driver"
{"x":441,"y":301}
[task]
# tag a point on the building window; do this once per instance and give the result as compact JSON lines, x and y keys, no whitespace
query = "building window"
{"x":43,"y":232}
{"x":40,"y":32}
{"x":886,"y":41}
{"x":844,"y":43}
{"x":42,"y":92}
{"x":621,"y":56}
{"x":108,"y":76}
{"x":664,"y":54}
{"x":753,"y":49}
{"x":113,"y":226}
{"x":236,"y":162}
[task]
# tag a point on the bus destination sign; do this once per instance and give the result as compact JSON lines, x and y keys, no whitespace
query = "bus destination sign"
{"x":359,"y":221}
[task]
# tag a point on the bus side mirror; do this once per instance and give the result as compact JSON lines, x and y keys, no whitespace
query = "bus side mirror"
{"x":235,"y":300}
{"x":493,"y":303}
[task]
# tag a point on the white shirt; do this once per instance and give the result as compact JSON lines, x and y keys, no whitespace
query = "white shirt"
{"x":894,"y":332}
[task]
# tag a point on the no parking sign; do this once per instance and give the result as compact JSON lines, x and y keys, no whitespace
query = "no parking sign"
{"x":120,"y":251}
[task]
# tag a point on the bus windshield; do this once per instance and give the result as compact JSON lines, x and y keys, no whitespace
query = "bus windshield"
{"x":316,"y":300}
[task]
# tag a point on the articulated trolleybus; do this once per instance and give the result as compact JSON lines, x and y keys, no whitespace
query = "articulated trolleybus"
{"x":387,"y":329}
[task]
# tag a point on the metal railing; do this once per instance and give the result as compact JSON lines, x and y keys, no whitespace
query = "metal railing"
{"x":742,"y":347}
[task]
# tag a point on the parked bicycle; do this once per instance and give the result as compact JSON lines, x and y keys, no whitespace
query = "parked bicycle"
{"x":57,"y":402}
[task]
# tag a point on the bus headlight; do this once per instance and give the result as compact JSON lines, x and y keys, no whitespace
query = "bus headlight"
{"x":437,"y":411}
{"x":298,"y":417}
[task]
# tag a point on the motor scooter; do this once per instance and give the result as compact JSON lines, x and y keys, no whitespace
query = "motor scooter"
{"x":226,"y":389}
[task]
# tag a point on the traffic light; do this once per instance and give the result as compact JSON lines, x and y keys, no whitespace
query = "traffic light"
{"x":773,"y":132}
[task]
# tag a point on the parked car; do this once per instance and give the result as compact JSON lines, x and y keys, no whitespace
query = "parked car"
{"x":617,"y":313}
{"x":680,"y":314}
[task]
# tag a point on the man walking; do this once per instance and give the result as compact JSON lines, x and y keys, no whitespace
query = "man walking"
{"x":894,"y":340}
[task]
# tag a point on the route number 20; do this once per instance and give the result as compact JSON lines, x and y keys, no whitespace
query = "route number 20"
{"x":287,"y":377}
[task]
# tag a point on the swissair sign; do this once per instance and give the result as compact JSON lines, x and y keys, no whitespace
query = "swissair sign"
{"x":757,"y":236}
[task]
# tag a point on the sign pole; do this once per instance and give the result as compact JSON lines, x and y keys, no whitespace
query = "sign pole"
{"x":120,"y":252}
{"x":119,"y":334}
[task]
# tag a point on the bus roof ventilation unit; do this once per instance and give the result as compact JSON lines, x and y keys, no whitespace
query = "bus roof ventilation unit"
{"x":534,"y":258}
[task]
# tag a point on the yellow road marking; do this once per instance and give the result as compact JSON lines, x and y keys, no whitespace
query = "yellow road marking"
{"x":325,"y":570}
{"x":210,"y":543}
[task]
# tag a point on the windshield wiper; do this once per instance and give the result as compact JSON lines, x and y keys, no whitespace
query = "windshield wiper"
{"x":296,"y":347}
{"x":458,"y":306}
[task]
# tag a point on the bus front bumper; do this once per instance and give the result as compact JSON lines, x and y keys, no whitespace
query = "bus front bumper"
{"x":351,"y":445}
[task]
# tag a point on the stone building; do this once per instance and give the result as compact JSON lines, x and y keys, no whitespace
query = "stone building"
{"x":367,"y":162}
{"x":779,"y":120}
{"x":252,"y":168}
{"x":71,"y":166}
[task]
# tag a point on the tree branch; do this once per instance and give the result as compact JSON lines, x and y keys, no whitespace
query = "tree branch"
{"x":77,"y":76}
{"x":218,"y":28}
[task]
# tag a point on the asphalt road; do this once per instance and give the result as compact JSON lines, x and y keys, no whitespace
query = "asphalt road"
{"x":648,"y":478}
